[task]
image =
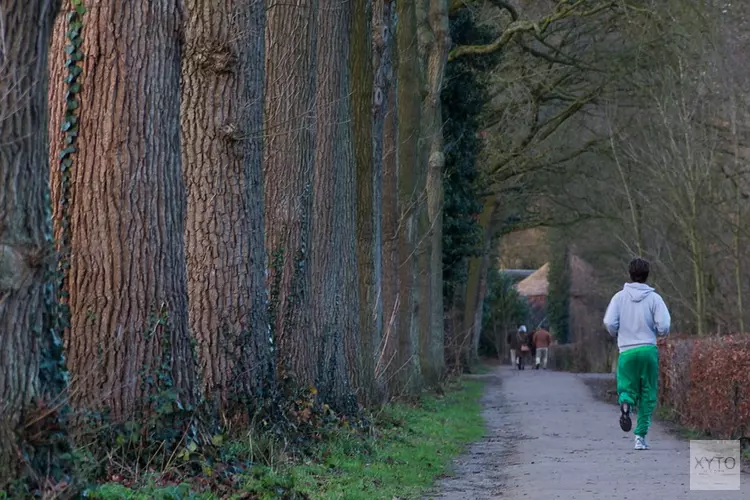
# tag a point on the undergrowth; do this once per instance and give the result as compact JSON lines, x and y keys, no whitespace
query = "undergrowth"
{"x":402,"y":452}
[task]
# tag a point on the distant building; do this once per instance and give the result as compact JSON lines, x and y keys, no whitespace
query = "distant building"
{"x":587,"y":306}
{"x":535,"y":288}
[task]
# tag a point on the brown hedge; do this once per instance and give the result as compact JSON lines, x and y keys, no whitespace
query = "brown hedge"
{"x":706,"y":382}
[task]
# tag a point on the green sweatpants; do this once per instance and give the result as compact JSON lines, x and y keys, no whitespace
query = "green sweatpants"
{"x":638,"y":382}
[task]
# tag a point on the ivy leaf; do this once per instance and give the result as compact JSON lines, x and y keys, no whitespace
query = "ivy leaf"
{"x":65,"y":152}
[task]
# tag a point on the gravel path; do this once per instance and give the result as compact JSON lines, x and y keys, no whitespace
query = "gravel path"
{"x":548,"y":438}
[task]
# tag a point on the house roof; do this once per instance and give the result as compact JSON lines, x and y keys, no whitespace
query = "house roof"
{"x":582,"y":280}
{"x":536,"y":284}
{"x":517,"y":274}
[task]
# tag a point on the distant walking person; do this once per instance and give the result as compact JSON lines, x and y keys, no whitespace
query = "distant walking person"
{"x":542,"y":340}
{"x":514,"y":342}
{"x":636,"y":316}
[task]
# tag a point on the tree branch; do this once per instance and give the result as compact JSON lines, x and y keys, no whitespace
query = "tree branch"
{"x":519,"y":26}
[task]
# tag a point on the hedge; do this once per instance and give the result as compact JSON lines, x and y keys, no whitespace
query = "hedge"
{"x":706,"y":382}
{"x":581,"y":357}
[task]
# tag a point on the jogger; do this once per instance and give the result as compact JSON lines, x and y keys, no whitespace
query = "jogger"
{"x":636,"y":316}
{"x":638,"y":382}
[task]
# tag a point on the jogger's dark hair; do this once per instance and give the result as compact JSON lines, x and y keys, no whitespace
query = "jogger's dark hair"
{"x":639,"y":269}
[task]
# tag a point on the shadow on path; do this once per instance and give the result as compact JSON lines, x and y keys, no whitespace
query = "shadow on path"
{"x":548,"y":438}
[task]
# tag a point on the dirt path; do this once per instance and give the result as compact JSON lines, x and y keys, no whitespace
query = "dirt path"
{"x":548,"y":438}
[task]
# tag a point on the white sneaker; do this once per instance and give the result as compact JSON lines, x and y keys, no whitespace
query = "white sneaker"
{"x":640,"y":443}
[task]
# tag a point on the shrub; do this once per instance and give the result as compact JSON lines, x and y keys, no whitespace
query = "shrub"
{"x":706,"y":381}
{"x":568,"y":357}
{"x":582,"y":357}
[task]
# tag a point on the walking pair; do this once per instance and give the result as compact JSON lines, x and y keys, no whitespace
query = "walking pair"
{"x":636,"y":316}
{"x":521,"y":345}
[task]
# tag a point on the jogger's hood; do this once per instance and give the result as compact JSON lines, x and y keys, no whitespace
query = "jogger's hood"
{"x":637,"y":291}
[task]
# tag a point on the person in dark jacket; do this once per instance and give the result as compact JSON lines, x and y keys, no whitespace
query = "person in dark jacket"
{"x":514,"y":342}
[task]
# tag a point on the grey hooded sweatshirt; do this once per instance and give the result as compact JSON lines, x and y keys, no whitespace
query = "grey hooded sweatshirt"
{"x":636,"y":316}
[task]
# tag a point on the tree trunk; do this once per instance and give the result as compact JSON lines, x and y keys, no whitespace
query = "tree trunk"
{"x":25,"y":228}
{"x":369,"y":243}
{"x":437,"y":40}
{"x":387,"y":365}
{"x":423,"y":238}
{"x":288,"y":174}
{"x":380,"y":100}
{"x":737,"y":254}
{"x":222,"y":116}
{"x":455,"y":334}
{"x":476,"y":331}
{"x":127,"y":274}
{"x":408,"y":104}
{"x":474,"y":290}
{"x":59,"y":94}
{"x":334,"y":250}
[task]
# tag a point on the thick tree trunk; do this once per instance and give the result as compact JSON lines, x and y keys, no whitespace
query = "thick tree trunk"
{"x":387,"y":365}
{"x":288,"y":174}
{"x":25,"y":228}
{"x":334,"y":254}
{"x":408,"y":104}
{"x":57,"y":91}
{"x":436,"y":37}
{"x":222,"y":116}
{"x":383,"y":102}
{"x":369,"y":242}
{"x":127,"y":275}
{"x":423,"y":239}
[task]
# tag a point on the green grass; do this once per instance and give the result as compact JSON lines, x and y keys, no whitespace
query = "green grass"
{"x":412,"y":446}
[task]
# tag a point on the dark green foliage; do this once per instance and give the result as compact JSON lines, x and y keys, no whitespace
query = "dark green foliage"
{"x":462,"y":98}
{"x":558,"y":299}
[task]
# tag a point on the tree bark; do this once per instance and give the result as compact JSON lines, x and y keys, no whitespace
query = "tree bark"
{"x":288,"y":174}
{"x":476,"y":330}
{"x":409,"y":196}
{"x":57,"y":107}
{"x":127,"y":275}
{"x":454,"y":329}
{"x":334,"y":250}
{"x":475,"y":291}
{"x":222,"y":119}
{"x":436,"y":37}
{"x":369,"y":242}
{"x":382,"y":102}
{"x":25,"y":222}
{"x":387,"y":365}
{"x":423,"y":239}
